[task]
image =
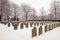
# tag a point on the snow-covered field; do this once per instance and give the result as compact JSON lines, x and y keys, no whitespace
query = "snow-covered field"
{"x":8,"y":33}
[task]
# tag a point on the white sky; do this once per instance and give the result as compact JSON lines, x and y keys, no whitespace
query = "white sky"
{"x":37,"y":4}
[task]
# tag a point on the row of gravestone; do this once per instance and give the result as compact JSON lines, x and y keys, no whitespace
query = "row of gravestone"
{"x":22,"y":24}
{"x":47,"y":27}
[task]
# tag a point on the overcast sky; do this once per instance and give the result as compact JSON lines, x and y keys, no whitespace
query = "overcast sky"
{"x":37,"y":4}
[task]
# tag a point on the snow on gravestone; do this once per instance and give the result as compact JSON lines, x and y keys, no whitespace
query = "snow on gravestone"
{"x":34,"y":32}
{"x":26,"y":24}
{"x":8,"y":24}
{"x":57,"y":24}
{"x":50,"y":27}
{"x":21,"y":26}
{"x":46,"y":28}
{"x":40,"y":30}
{"x":35,"y":24}
{"x":31,"y":24}
{"x":15,"y":25}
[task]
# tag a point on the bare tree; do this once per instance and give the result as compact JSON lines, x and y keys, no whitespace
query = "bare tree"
{"x":26,"y":9}
{"x":0,"y":10}
{"x":15,"y":8}
{"x":31,"y":15}
{"x":55,"y":7}
{"x":34,"y":12}
{"x":42,"y":11}
{"x":5,"y":9}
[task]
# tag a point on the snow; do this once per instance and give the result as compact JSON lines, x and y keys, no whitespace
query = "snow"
{"x":8,"y":33}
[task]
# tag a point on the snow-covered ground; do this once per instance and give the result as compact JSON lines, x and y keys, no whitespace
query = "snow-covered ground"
{"x":8,"y":33}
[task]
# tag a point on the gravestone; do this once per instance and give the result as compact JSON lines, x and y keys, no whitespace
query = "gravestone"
{"x":8,"y":24}
{"x":21,"y":26}
{"x":57,"y":24}
{"x":31,"y":24}
{"x":40,"y":30}
{"x":15,"y":25}
{"x":15,"y":28}
{"x":26,"y":24}
{"x":49,"y":27}
{"x":35,"y":24}
{"x":34,"y":32}
{"x":46,"y":28}
{"x":52,"y":26}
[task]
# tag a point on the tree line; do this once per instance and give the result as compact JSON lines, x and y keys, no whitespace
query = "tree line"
{"x":13,"y":12}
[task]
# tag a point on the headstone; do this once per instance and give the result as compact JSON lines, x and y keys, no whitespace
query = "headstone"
{"x":57,"y":24}
{"x":15,"y":25}
{"x":34,"y":32}
{"x":21,"y":26}
{"x":15,"y":28}
{"x":41,"y":23}
{"x":52,"y":26}
{"x":49,"y":27}
{"x":46,"y":28}
{"x":26,"y":24}
{"x":8,"y":24}
{"x":31,"y":24}
{"x":37,"y":24}
{"x":40,"y":30}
